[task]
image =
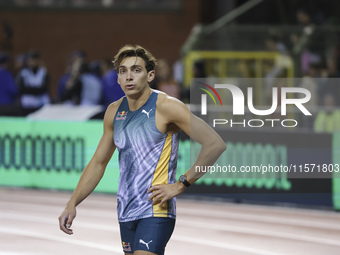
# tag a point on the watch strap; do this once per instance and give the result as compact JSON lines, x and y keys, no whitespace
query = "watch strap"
{"x":183,"y":179}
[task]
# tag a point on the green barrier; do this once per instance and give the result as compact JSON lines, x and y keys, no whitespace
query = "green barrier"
{"x":248,"y":154}
{"x":46,"y":154}
{"x":52,"y":155}
{"x":336,"y":176}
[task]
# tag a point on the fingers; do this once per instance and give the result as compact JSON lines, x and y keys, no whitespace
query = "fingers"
{"x":152,"y":188}
{"x":69,"y":221}
{"x":159,"y":194}
{"x":160,"y":199}
{"x":153,"y":196}
{"x":162,"y":202}
{"x":65,"y":222}
{"x":62,"y":224}
{"x":162,"y":193}
{"x":156,"y":191}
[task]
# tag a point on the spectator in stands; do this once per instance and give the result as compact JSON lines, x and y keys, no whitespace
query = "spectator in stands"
{"x":319,"y":73}
{"x":328,"y":119}
{"x":333,"y":75}
{"x":311,"y":82}
{"x":8,"y":88}
{"x":164,"y":79}
{"x":199,"y":70}
{"x":83,"y":87}
{"x":279,"y":67}
{"x":76,"y":55}
{"x":178,"y":71}
{"x":111,"y":89}
{"x":327,"y":81}
{"x":309,"y":43}
{"x":33,"y":83}
{"x":95,"y":68}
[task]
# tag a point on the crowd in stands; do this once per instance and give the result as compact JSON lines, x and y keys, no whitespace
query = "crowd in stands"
{"x":318,"y":63}
{"x":27,"y":88}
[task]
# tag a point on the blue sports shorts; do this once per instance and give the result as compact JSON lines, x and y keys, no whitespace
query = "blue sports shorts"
{"x":149,"y":234}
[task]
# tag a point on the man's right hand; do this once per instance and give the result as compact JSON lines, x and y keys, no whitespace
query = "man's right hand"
{"x":66,"y":219}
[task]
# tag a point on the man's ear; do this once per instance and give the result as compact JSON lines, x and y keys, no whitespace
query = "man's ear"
{"x":151,"y":75}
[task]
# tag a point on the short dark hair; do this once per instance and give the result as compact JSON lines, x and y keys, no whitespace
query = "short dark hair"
{"x":135,"y":51}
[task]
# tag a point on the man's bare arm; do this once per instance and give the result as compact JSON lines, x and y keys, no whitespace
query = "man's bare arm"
{"x":212,"y":146}
{"x":174,"y":111}
{"x":92,"y":173}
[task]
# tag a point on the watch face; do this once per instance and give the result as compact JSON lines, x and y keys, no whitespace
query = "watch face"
{"x":182,"y":178}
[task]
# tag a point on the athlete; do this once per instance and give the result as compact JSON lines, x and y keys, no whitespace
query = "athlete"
{"x":144,"y":126}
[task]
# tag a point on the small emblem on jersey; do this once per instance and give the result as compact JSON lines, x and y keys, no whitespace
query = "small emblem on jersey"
{"x":121,"y":115}
{"x":126,"y":246}
{"x":146,"y":244}
{"x":147,"y":113}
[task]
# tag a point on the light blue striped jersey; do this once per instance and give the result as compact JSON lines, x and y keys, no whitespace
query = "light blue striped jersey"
{"x":146,"y":157}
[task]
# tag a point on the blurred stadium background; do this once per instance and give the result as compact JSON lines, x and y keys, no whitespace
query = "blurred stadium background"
{"x":46,"y":147}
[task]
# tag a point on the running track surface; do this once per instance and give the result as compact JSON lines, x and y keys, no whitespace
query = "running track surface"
{"x":29,"y":226}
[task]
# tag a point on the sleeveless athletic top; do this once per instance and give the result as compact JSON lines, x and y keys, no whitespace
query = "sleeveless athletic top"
{"x":147,"y":157}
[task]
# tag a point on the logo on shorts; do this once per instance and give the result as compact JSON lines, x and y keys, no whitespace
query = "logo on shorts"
{"x":121,"y":115}
{"x":126,"y":246}
{"x":146,"y":244}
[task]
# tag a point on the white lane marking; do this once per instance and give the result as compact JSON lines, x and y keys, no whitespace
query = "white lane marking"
{"x":191,"y":224}
{"x":259,"y":232}
{"x":18,"y":217}
{"x":14,"y":253}
{"x":56,"y":209}
{"x":55,"y":198}
{"x":61,"y":239}
{"x":260,"y":218}
{"x":30,"y":197}
{"x":257,"y":208}
{"x":255,"y":217}
{"x":43,"y":196}
{"x":222,"y":245}
{"x":119,"y":251}
{"x":181,"y":212}
{"x":98,"y":198}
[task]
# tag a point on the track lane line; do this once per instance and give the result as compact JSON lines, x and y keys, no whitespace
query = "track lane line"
{"x":191,"y":224}
{"x":96,"y":246}
{"x":181,"y":212}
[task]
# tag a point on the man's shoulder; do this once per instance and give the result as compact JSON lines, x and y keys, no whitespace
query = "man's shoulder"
{"x":171,"y":107}
{"x":115,"y":104}
{"x":164,"y":101}
{"x":112,"y":108}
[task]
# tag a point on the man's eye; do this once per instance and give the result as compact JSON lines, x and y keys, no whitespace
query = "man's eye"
{"x":121,"y":71}
{"x":137,"y":70}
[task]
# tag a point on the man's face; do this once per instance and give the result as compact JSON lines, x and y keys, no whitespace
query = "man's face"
{"x":133,"y":76}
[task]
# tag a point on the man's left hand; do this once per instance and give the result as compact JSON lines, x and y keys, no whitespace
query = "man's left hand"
{"x":163,"y":193}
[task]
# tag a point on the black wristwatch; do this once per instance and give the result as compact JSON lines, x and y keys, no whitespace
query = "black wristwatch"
{"x":183,"y":179}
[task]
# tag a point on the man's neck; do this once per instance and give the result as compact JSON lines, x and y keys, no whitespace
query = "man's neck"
{"x":138,"y":101}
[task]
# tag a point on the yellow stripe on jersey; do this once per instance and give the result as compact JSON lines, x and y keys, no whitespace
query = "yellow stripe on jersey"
{"x":161,"y":175}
